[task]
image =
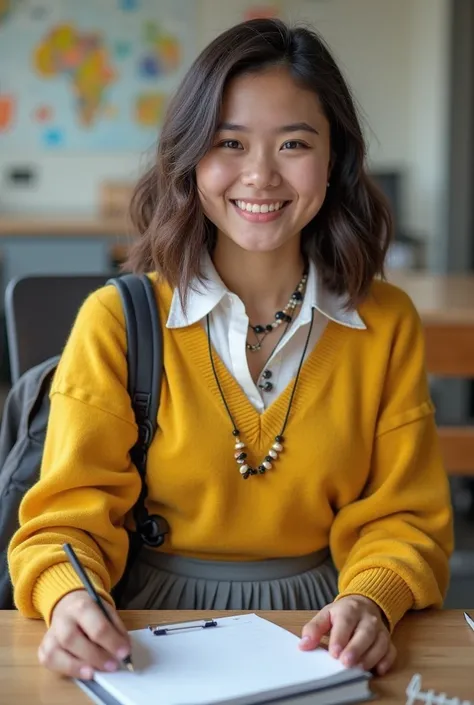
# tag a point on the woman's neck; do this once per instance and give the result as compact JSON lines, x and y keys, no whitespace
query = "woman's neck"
{"x":264,"y":281}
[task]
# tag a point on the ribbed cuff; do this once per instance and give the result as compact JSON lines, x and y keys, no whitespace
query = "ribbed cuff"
{"x":384,"y":587}
{"x":58,"y":581}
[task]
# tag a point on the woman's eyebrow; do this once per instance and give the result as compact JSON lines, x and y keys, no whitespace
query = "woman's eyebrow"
{"x":293,"y":127}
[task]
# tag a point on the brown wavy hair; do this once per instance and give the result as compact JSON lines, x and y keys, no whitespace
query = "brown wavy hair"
{"x":349,"y":236}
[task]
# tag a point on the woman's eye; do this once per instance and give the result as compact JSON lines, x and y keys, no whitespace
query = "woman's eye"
{"x":294,"y":144}
{"x":231,"y":144}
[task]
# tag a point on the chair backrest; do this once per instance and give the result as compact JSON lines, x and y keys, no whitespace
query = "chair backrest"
{"x":450,"y":353}
{"x":39,"y":313}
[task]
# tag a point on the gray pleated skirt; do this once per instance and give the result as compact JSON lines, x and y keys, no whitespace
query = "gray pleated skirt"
{"x":168,"y":582}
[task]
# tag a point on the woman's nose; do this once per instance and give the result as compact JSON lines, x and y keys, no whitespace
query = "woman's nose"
{"x":261,"y":173}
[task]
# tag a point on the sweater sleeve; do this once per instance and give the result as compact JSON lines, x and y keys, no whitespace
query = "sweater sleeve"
{"x":393,"y":544}
{"x":87,"y":483}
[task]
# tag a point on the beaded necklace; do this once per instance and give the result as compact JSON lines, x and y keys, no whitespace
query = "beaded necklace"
{"x":284,"y":316}
{"x":240,"y":455}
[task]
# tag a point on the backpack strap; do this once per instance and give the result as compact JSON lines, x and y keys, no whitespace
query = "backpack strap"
{"x":145,"y":365}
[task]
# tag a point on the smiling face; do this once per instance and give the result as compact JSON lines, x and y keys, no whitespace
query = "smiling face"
{"x":266,"y":175}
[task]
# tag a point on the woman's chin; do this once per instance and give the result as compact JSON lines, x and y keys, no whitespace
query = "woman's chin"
{"x":259,"y":244}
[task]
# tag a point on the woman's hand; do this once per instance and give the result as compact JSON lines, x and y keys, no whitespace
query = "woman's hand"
{"x":80,"y":640}
{"x":358,"y":636}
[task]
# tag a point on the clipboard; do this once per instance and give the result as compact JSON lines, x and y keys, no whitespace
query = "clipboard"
{"x":237,"y":660}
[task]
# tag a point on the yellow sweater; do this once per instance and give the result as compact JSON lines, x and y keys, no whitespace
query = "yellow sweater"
{"x":361,"y":469}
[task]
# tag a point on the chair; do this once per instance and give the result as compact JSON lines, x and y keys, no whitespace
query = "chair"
{"x":39,"y":313}
{"x":450,"y":353}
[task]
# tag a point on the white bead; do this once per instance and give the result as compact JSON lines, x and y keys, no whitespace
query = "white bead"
{"x":273,"y":454}
{"x":239,"y":445}
{"x":241,"y":461}
{"x":278,"y":447}
{"x":267,"y":465}
{"x":243,"y":469}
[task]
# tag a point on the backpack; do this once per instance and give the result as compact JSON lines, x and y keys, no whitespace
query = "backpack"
{"x":25,"y":420}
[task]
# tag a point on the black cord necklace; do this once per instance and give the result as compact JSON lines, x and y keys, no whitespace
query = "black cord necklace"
{"x":240,"y":455}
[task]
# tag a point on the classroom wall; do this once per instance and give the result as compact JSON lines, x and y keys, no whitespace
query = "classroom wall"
{"x":395,"y":55}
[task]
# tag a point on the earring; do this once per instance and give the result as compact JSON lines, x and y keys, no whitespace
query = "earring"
{"x":328,"y":184}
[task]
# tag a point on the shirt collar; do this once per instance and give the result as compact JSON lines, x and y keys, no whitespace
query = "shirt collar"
{"x":205,"y":295}
{"x":328,"y":304}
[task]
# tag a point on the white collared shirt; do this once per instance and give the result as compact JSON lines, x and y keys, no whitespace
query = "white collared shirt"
{"x":229,"y":330}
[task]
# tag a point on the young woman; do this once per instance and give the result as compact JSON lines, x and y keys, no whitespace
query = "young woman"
{"x":296,"y":461}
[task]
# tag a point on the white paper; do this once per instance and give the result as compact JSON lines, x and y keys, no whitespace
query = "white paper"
{"x":241,"y":660}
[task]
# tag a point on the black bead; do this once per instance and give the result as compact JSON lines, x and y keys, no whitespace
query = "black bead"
{"x":287,"y":319}
{"x":279,"y":439}
{"x":266,"y":374}
{"x":269,"y":459}
{"x":236,"y":432}
{"x":267,"y":387}
{"x":259,"y":329}
{"x":246,"y":475}
{"x":280,"y":315}
{"x":242,"y":456}
{"x":269,"y":328}
{"x":297,"y":296}
{"x":253,"y":471}
{"x":262,"y":469}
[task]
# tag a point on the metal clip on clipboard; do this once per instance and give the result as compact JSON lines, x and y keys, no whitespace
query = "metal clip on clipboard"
{"x":158,"y":630}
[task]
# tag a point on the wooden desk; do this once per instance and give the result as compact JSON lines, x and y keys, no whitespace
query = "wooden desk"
{"x":446,"y":308}
{"x":438,"y":645}
{"x":63,"y":226}
{"x":59,"y":244}
{"x":439,"y":298}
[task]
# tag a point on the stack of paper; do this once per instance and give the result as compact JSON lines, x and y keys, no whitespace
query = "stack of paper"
{"x":242,"y":661}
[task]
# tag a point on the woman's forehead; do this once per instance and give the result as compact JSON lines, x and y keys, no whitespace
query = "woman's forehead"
{"x":271,"y":98}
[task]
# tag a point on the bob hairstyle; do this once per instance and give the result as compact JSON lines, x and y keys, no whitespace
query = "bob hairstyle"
{"x":349,"y":236}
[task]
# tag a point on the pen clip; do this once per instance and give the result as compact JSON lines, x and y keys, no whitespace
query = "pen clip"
{"x":158,"y":630}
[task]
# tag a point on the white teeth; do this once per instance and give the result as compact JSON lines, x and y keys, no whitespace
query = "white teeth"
{"x":256,"y":208}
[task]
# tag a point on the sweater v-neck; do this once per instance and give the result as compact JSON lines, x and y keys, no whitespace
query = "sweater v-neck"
{"x":261,"y":428}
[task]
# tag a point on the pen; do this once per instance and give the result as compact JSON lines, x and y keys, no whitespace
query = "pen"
{"x":84,"y":578}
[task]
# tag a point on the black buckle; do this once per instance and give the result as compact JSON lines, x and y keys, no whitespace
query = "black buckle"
{"x":153,"y":531}
{"x":141,"y":402}
{"x":145,"y":433}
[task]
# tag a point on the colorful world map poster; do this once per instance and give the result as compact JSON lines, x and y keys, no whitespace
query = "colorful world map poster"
{"x":89,"y":75}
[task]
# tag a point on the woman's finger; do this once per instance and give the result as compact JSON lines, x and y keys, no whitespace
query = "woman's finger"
{"x":376,"y":653}
{"x":345,"y":619}
{"x":72,"y":640}
{"x":363,"y":639}
{"x":54,"y":657}
{"x":314,"y":630}
{"x":116,"y":620}
{"x":101,"y":632}
{"x":387,"y":662}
